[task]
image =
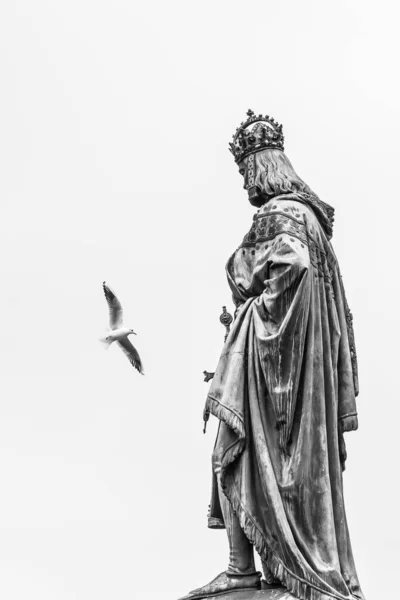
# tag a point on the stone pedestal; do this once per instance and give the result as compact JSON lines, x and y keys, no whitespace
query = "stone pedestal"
{"x":263,"y":594}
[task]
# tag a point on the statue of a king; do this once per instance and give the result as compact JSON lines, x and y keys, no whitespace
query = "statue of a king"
{"x":284,"y":389}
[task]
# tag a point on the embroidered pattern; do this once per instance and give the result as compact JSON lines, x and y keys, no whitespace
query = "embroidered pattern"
{"x":267,"y":226}
{"x":272,"y":220}
{"x":320,"y":262}
{"x":250,"y":171}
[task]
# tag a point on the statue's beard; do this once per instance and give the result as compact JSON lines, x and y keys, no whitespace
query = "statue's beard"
{"x":256,"y":196}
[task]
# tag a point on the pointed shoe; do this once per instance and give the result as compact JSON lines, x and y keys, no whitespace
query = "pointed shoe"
{"x":225,"y":583}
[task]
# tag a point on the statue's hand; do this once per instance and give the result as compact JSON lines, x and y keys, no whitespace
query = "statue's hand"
{"x":349,"y":423}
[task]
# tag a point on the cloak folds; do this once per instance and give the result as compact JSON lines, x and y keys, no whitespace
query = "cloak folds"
{"x":284,"y":391}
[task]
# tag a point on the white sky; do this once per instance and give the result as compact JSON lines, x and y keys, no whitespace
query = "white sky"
{"x":115,"y":121}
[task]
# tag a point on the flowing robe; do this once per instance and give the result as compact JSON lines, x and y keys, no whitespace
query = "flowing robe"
{"x":284,"y":391}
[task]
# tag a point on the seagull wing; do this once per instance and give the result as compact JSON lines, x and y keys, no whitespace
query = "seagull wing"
{"x":131,"y":353}
{"x":114,"y":306}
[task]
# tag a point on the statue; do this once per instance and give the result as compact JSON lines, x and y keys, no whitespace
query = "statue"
{"x":284,"y":391}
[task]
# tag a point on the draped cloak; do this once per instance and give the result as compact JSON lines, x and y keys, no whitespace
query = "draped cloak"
{"x":284,"y":391}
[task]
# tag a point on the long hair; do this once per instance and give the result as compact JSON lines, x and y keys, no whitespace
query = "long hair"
{"x":275,"y":176}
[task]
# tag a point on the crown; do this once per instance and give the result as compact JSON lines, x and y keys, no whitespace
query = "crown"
{"x":255,"y":134}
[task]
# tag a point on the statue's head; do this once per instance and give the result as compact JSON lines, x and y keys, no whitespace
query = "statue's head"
{"x":258,"y":150}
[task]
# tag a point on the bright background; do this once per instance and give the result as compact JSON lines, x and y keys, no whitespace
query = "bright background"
{"x":115,"y":120}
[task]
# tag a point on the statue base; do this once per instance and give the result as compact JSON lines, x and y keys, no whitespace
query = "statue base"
{"x":266,"y":593}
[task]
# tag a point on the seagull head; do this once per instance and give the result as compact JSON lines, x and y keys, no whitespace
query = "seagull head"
{"x":131,"y":331}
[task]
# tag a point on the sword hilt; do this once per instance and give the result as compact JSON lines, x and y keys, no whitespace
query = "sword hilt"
{"x":226,"y":320}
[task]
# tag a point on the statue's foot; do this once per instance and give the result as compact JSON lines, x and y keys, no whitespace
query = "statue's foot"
{"x":224,"y":583}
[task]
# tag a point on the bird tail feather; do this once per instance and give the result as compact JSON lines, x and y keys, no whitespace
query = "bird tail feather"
{"x":106,"y":343}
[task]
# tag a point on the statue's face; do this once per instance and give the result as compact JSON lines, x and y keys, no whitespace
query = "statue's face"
{"x":248,"y":169}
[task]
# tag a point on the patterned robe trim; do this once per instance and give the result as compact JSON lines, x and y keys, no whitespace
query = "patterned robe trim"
{"x":269,"y":223}
{"x":352,"y":342}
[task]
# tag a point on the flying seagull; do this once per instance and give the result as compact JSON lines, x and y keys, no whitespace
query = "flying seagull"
{"x":118,"y":333}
